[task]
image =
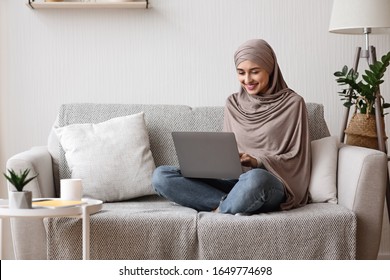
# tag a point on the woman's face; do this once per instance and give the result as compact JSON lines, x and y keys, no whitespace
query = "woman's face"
{"x":252,"y":77}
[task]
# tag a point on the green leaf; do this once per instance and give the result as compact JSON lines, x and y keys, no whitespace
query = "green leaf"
{"x":348,"y":104}
{"x":367,"y":79}
{"x":370,"y":74}
{"x":373,"y":68}
{"x":355,"y":75}
{"x":341,"y":81}
{"x":19,"y":180}
{"x":350,"y":73}
{"x":345,"y":70}
{"x":29,"y":180}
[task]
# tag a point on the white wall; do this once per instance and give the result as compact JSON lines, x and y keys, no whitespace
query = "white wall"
{"x":177,"y":52}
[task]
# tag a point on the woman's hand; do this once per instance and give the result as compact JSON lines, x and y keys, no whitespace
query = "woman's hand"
{"x":248,"y":161}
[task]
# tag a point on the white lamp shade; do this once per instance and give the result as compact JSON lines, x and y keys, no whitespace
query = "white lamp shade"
{"x":352,"y":16}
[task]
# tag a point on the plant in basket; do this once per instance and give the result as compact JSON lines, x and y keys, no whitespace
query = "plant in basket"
{"x":361,"y":130}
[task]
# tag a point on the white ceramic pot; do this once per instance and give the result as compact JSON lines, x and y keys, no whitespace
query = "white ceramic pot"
{"x":20,"y":200}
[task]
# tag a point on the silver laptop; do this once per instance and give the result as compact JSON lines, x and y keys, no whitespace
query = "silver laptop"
{"x":208,"y":154}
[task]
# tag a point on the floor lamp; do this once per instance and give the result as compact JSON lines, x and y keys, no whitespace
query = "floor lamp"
{"x":363,"y":17}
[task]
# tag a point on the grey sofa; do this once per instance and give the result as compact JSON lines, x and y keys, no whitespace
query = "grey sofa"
{"x":151,"y":227}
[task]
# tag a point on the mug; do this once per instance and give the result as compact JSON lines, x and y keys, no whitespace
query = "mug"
{"x":71,"y":189}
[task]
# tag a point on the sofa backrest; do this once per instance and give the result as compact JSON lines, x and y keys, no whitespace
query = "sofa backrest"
{"x":161,"y":120}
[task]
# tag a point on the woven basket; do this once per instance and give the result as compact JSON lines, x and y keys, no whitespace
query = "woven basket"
{"x":361,"y":131}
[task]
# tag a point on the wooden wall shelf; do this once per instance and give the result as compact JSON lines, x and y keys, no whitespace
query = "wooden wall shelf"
{"x":88,"y":5}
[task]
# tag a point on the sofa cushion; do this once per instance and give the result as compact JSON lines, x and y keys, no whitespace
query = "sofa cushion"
{"x":143,"y":228}
{"x":113,"y":158}
{"x":317,"y":231}
{"x":322,"y":187}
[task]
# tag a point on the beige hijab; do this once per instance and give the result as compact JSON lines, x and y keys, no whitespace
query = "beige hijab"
{"x":272,"y":127}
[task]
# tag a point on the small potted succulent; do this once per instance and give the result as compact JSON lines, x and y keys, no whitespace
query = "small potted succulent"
{"x":19,"y":198}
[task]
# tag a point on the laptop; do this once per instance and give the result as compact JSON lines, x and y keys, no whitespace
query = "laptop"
{"x":209,"y":155}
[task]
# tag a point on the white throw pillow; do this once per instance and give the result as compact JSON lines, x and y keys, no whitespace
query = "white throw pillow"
{"x":113,"y":158}
{"x":322,"y":186}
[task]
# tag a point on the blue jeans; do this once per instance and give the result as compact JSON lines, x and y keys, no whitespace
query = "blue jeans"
{"x":255,"y":191}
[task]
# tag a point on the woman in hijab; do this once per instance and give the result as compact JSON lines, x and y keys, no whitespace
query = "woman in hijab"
{"x":269,"y":121}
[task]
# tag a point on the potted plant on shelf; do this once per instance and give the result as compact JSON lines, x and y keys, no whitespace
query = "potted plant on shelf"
{"x":19,"y":198}
{"x":361,"y":130}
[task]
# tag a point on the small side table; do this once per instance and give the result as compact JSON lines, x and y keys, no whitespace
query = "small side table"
{"x":83,"y":211}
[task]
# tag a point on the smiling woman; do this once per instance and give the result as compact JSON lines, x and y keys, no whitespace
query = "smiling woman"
{"x":277,"y":165}
{"x":252,"y":77}
{"x":262,"y":109}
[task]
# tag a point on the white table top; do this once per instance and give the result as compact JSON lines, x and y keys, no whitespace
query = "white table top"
{"x":92,"y":206}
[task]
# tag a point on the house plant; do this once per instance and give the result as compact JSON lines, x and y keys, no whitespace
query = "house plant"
{"x":361,"y":130}
{"x":19,"y":198}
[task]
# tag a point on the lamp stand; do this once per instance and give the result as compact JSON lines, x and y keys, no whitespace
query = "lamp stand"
{"x":370,"y":54}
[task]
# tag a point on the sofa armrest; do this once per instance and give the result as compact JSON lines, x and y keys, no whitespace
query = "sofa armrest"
{"x":39,"y":160}
{"x":362,"y":180}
